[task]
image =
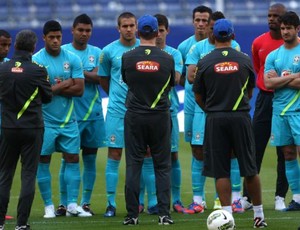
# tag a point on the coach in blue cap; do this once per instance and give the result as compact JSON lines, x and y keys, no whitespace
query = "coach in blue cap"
{"x":223,"y":87}
{"x":149,"y":74}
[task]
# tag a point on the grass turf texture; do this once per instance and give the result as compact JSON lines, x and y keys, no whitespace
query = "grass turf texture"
{"x":275,"y":219}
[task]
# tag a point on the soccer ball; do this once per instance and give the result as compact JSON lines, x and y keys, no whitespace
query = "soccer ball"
{"x":220,"y":220}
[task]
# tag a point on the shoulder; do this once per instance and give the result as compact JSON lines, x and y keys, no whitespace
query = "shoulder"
{"x":261,"y":38}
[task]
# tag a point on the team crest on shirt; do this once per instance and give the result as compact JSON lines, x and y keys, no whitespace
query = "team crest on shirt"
{"x":147,"y":66}
{"x":66,"y":66}
{"x":91,"y":59}
{"x":226,"y":67}
{"x":296,"y":60}
{"x":112,"y":139}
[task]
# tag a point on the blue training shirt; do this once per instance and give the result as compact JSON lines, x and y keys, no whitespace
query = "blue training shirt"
{"x":60,"y":111}
{"x":110,"y":66}
{"x":89,"y":105}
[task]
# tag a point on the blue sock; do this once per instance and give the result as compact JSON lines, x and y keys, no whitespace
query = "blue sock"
{"x":44,"y":183}
{"x":111,"y":175}
{"x":88,"y":177}
{"x":72,"y":180}
{"x":176,"y":181}
{"x":149,"y":179}
{"x":293,"y":175}
{"x":198,"y":180}
{"x":142,"y":190}
{"x":62,"y":184}
{"x":235,"y":176}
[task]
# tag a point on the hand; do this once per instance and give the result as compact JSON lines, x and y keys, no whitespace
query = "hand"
{"x":272,"y":74}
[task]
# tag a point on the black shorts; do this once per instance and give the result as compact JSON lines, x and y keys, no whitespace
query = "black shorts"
{"x":224,"y":132}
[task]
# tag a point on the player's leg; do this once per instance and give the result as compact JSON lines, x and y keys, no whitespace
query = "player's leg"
{"x":115,"y":143}
{"x":43,"y":172}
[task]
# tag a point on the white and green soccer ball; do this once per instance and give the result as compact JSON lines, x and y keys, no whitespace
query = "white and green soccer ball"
{"x":220,"y":220}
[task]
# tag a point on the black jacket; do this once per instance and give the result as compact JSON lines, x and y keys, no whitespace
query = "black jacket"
{"x":24,"y":86}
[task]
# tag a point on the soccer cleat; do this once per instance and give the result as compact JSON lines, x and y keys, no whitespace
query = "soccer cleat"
{"x":165,"y":220}
{"x":293,"y":206}
{"x":86,"y":208}
{"x":237,"y":206}
{"x":2,"y":227}
{"x":178,"y":207}
{"x":259,"y":223}
{"x":194,"y":208}
{"x":279,"y":203}
{"x":61,"y":211}
{"x":141,"y":208}
{"x":23,"y":227}
{"x":130,"y":221}
{"x":78,"y":211}
{"x":8,"y":217}
{"x":153,"y":210}
{"x":246,"y":204}
{"x":217,"y":204}
{"x":49,"y":211}
{"x":110,"y":211}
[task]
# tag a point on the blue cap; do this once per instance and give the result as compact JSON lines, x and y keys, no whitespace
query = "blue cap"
{"x":147,"y":24}
{"x":223,"y":29}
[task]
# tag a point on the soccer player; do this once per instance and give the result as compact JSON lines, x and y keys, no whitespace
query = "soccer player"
{"x":261,"y":47}
{"x":24,"y":87}
{"x":228,"y":123}
{"x":282,"y":74}
{"x":163,"y":31}
{"x":5,"y":43}
{"x":198,"y":51}
{"x":61,"y":129}
{"x":149,"y":73}
{"x":88,"y":110}
{"x":111,"y":81}
{"x":201,"y":17}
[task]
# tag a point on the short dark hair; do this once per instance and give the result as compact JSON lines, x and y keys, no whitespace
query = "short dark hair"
{"x":202,"y":9}
{"x":26,"y":40}
{"x":125,"y":15}
{"x":5,"y":34}
{"x":82,"y":18}
{"x":289,"y":18}
{"x":162,"y":20}
{"x":50,"y":26}
{"x":217,"y":15}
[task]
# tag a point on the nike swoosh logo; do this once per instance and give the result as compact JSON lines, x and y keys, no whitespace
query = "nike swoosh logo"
{"x":119,"y":57}
{"x":225,"y":217}
{"x":277,"y":59}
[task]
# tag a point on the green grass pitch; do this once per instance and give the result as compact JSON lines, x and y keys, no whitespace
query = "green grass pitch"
{"x":276,"y":220}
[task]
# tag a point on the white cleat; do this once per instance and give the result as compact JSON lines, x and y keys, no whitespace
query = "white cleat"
{"x":78,"y":211}
{"x":49,"y":211}
{"x":279,"y":203}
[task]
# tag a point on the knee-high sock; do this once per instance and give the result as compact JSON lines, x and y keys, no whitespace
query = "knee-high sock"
{"x":72,"y":180}
{"x":293,"y":175}
{"x":62,"y":184}
{"x":88,"y":177}
{"x":235,"y":178}
{"x":176,"y":181}
{"x":149,"y":179}
{"x":142,"y":190}
{"x":111,"y":176}
{"x":198,"y":181}
{"x":44,"y":183}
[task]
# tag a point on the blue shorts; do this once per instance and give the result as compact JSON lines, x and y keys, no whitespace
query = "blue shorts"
{"x":285,"y":130}
{"x":114,"y":131}
{"x":92,"y":133}
{"x":198,"y":128}
{"x":66,"y":140}
{"x":174,"y":134}
{"x":188,"y":126}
